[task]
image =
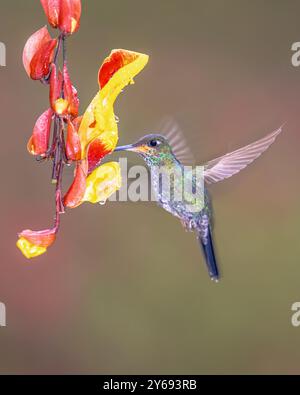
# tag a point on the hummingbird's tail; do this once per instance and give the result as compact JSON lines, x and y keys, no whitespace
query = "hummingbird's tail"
{"x":205,"y":239}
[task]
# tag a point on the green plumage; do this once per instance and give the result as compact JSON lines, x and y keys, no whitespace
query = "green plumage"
{"x":194,"y":207}
{"x":191,"y":205}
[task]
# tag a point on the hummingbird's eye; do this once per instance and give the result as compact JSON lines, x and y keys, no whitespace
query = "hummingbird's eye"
{"x":154,"y":143}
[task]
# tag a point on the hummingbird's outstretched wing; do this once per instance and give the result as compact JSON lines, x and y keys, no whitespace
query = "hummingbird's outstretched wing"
{"x":230,"y":164}
{"x":172,"y":132}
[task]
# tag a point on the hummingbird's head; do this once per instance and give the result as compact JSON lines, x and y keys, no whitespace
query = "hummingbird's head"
{"x":154,"y":148}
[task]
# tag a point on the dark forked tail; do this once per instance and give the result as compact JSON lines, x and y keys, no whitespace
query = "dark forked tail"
{"x":205,"y":239}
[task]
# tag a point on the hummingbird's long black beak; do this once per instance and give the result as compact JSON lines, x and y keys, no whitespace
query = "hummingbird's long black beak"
{"x":129,"y":147}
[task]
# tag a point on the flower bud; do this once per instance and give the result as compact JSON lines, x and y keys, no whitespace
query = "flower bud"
{"x":39,"y":141}
{"x":73,"y":145}
{"x":38,"y":54}
{"x":64,"y":14}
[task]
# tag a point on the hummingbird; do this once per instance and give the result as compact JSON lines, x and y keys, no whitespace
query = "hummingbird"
{"x":166,"y":154}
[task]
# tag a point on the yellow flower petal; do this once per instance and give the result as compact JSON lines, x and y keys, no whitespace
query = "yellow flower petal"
{"x":98,"y":130}
{"x":30,"y":250}
{"x":103,"y":183}
{"x":99,"y":121}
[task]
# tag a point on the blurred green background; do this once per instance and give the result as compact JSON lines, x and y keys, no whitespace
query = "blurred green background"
{"x":124,"y":290}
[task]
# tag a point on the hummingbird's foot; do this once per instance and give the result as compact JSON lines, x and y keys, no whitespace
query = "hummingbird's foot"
{"x":183,"y":223}
{"x":189,"y":225}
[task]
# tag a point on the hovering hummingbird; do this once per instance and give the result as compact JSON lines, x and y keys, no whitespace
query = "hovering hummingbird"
{"x":166,"y":153}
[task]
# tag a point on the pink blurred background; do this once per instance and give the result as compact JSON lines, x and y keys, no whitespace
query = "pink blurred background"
{"x":124,"y":290}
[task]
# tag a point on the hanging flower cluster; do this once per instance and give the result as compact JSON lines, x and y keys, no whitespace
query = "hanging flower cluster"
{"x":60,"y":134}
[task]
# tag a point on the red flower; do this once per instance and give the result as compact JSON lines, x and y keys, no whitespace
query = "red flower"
{"x":70,"y":103}
{"x":51,"y":8}
{"x":64,"y":14}
{"x":39,"y":141}
{"x":73,"y":144}
{"x":42,"y":238}
{"x":70,"y":93}
{"x":58,"y":104}
{"x":33,"y":244}
{"x":38,"y":54}
{"x":98,"y":131}
{"x":77,"y":190}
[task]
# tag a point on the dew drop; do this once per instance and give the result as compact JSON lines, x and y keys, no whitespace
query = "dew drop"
{"x":102,"y":203}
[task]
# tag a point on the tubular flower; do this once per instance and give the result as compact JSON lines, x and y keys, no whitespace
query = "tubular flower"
{"x":64,"y":14}
{"x":70,"y":93}
{"x":98,"y":130}
{"x":61,"y":82}
{"x":39,"y":141}
{"x":51,"y":8}
{"x":99,"y":121}
{"x":73,"y":145}
{"x":76,"y":192}
{"x":38,"y":54}
{"x":58,"y":104}
{"x":33,"y":244}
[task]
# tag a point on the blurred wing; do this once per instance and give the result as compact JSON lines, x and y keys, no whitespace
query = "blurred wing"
{"x":232,"y":163}
{"x":172,"y":132}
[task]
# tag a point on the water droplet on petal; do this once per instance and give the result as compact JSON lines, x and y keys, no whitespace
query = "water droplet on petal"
{"x":102,"y":203}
